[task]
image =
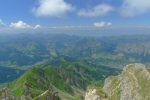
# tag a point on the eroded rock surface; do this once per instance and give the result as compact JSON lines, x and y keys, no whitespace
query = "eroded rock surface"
{"x":5,"y":95}
{"x":132,"y":84}
{"x":92,"y":95}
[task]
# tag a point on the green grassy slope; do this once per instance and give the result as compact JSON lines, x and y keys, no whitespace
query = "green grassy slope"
{"x":65,"y":78}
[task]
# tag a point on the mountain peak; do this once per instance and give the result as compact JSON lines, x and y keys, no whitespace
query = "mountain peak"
{"x":132,"y":84}
{"x":134,"y":67}
{"x":138,"y":70}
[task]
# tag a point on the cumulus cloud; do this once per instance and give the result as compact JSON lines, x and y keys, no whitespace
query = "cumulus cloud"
{"x":52,"y":8}
{"x":23,"y":25}
{"x":19,"y":25}
{"x":99,"y":10}
{"x":135,"y":7}
{"x":102,"y":24}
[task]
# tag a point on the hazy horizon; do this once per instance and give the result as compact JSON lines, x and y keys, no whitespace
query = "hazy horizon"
{"x":49,"y":16}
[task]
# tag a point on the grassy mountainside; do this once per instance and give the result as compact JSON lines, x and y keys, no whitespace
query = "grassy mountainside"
{"x":69,"y":79}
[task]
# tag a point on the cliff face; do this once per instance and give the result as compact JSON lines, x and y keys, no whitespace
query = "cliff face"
{"x":132,"y":84}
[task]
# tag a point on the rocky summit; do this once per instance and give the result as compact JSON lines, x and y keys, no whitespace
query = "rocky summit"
{"x":132,"y":84}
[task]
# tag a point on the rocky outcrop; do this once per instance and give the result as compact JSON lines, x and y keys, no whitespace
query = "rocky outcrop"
{"x":5,"y":95}
{"x":135,"y":83}
{"x":92,"y":95}
{"x":95,"y":93}
{"x":132,"y":84}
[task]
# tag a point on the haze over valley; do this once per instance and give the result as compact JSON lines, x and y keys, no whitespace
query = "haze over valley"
{"x":74,"y":50}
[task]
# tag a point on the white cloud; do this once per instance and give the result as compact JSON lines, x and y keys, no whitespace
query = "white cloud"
{"x":19,"y":25}
{"x":37,"y":26}
{"x":52,"y":8}
{"x":135,"y":7}
{"x":99,"y":10}
{"x":2,"y":23}
{"x":23,"y":25}
{"x":102,"y":24}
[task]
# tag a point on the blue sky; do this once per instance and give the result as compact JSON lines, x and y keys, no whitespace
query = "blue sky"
{"x":23,"y":14}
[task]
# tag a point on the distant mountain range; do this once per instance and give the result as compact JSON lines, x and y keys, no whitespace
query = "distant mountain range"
{"x":46,"y":66}
{"x":25,"y":50}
